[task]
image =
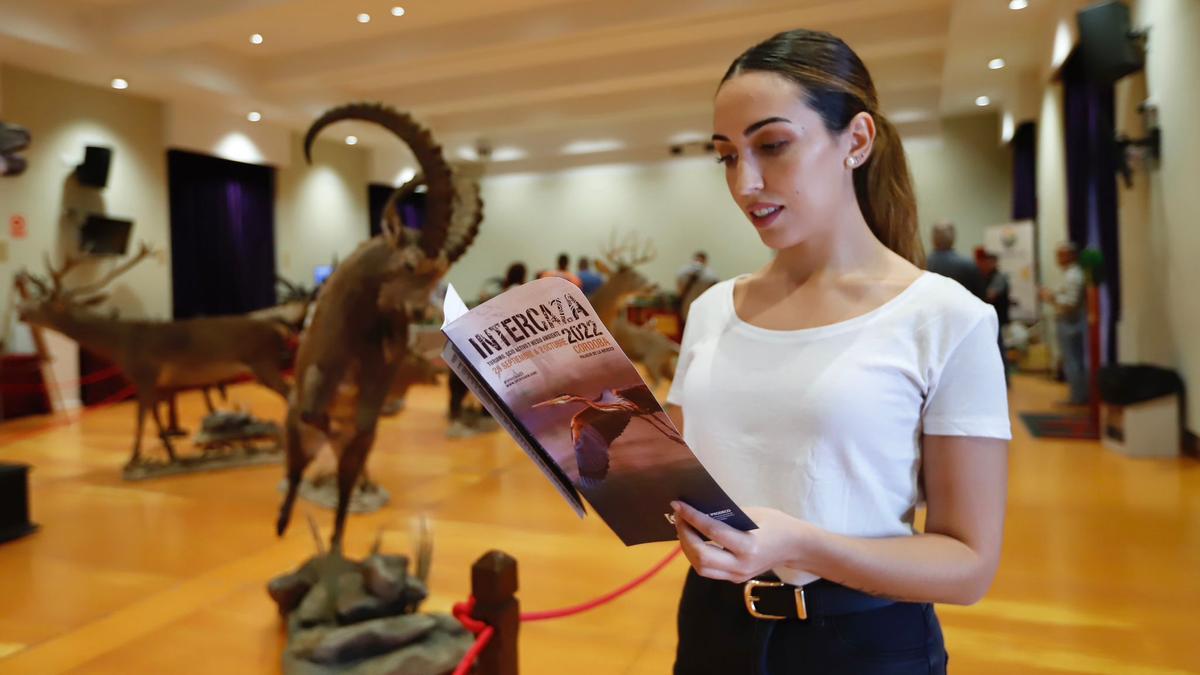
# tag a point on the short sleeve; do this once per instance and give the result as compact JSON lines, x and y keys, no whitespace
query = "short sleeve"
{"x":691,"y":336}
{"x":969,"y":396}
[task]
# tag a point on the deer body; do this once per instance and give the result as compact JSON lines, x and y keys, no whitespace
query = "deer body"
{"x":158,"y":357}
{"x":642,"y":344}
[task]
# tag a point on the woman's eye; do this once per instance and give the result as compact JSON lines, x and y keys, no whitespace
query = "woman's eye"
{"x":772,"y":148}
{"x":727,"y":160}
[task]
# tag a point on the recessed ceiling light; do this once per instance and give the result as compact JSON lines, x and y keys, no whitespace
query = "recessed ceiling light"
{"x":996,"y":64}
{"x":587,"y":147}
{"x":256,"y":39}
{"x":983,"y":101}
{"x":397,"y":11}
{"x":1018,"y":4}
{"x":254,"y":116}
{"x":364,"y":18}
{"x":118,"y":83}
{"x":351,"y":140}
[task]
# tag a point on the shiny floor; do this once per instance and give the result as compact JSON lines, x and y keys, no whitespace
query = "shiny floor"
{"x":1101,"y":570}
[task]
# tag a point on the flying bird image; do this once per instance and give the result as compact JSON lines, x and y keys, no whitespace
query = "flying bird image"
{"x":603,"y":420}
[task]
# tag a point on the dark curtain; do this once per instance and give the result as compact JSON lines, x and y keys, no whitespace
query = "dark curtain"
{"x":377,"y":196}
{"x":222,"y":235}
{"x":412,"y":209}
{"x":1092,"y":186}
{"x":1024,"y":149}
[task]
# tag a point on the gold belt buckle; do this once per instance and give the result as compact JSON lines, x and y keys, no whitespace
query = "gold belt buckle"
{"x":750,"y":598}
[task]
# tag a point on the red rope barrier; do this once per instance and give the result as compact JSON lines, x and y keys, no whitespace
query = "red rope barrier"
{"x":98,"y":376}
{"x":483,"y":632}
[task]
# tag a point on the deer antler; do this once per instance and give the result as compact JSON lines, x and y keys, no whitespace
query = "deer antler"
{"x":631,"y":252}
{"x":144,"y":251}
{"x":56,"y":275}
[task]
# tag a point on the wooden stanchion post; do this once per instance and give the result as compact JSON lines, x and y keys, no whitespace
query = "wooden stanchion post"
{"x":494,"y":585}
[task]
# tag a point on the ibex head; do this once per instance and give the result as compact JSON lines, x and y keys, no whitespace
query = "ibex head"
{"x":43,"y":302}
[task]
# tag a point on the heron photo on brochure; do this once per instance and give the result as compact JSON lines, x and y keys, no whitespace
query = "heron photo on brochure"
{"x":549,"y":371}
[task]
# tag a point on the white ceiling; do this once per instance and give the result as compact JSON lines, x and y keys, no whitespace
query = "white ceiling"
{"x":531,"y":75}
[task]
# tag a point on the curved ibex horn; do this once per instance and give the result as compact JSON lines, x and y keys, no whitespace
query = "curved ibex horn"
{"x":440,"y":196}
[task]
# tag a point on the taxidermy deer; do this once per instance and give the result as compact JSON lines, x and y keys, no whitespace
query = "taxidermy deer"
{"x":642,"y":344}
{"x":13,"y":139}
{"x":353,"y":351}
{"x":159,"y":357}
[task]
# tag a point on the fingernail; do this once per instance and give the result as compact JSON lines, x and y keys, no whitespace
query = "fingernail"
{"x":675,"y":505}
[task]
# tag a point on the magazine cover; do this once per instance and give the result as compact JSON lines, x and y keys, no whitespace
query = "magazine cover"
{"x":553,"y":376}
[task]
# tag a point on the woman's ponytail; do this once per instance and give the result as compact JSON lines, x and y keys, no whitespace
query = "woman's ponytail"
{"x":884,"y":189}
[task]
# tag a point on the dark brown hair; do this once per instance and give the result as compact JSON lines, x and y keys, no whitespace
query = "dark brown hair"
{"x":837,"y":86}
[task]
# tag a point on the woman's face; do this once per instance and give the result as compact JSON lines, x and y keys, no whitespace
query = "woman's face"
{"x":786,"y":172}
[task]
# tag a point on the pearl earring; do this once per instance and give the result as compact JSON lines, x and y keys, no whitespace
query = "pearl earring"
{"x":851,"y":161}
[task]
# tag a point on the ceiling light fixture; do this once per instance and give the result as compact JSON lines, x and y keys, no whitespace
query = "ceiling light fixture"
{"x":588,"y":147}
{"x":364,"y":18}
{"x":352,"y":140}
{"x":996,"y":64}
{"x":254,"y":116}
{"x":256,"y":39}
{"x":397,"y":11}
{"x":1018,"y":4}
{"x":983,"y":101}
{"x":118,"y":83}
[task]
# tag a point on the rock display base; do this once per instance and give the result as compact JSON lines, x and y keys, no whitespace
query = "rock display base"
{"x":322,"y":490}
{"x":360,"y":618}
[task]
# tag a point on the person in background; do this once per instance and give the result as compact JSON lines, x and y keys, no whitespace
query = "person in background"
{"x":1068,"y":301}
{"x":592,"y":281}
{"x":563,"y":271}
{"x":944,"y":260}
{"x":693,"y":279}
{"x":465,"y":423}
{"x":996,"y":294}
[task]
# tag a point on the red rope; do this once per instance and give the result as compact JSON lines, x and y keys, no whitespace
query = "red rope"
{"x":36,"y":388}
{"x":483,"y":633}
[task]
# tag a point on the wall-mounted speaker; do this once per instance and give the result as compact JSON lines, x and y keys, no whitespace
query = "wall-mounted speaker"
{"x":94,"y":170}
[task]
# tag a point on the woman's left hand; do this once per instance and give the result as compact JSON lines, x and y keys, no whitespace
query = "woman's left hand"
{"x":779,"y":540}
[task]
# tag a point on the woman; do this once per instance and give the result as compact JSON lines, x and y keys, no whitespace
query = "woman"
{"x":829,"y":391}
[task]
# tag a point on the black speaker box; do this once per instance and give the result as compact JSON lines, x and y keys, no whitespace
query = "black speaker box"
{"x":1107,"y":44}
{"x":14,"y":502}
{"x":94,"y":170}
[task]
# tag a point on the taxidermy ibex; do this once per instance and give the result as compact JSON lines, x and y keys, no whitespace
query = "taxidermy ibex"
{"x":642,"y":344}
{"x":159,"y":357}
{"x":13,"y":139}
{"x":357,"y":343}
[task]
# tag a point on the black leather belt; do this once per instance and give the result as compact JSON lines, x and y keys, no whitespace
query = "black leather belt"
{"x":769,"y":598}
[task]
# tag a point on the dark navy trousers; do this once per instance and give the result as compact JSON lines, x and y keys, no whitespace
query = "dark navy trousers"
{"x":717,"y":636}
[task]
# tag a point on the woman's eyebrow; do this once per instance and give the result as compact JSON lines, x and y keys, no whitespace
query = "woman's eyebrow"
{"x":753,"y":127}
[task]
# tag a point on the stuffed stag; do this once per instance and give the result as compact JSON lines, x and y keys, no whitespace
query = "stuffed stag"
{"x":642,"y":344}
{"x":356,"y":349}
{"x":159,"y":357}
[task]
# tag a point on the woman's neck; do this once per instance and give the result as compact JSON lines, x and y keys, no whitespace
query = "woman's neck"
{"x":846,"y":248}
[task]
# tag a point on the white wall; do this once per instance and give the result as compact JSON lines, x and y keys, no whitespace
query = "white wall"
{"x":320,"y":210}
{"x":963,"y":175}
{"x":1051,"y":184}
{"x":218,"y":133}
{"x":1160,"y":238}
{"x":63,"y":118}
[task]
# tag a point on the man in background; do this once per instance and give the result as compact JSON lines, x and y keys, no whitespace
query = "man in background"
{"x":946,"y":262}
{"x":563,"y":271}
{"x":693,"y":279}
{"x":996,"y":294}
{"x":1069,"y":303}
{"x":591,"y":280}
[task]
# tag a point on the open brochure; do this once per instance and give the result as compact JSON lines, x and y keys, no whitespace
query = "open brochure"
{"x":552,"y":375}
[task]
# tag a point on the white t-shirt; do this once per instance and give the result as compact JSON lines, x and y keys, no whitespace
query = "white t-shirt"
{"x":825,"y":423}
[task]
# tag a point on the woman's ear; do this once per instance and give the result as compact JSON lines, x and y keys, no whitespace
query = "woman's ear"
{"x":861,"y":134}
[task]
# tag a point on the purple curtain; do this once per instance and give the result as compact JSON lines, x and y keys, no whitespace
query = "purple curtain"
{"x":1024,"y":149}
{"x":222,"y":235}
{"x":1092,"y":187}
{"x":412,"y":209}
